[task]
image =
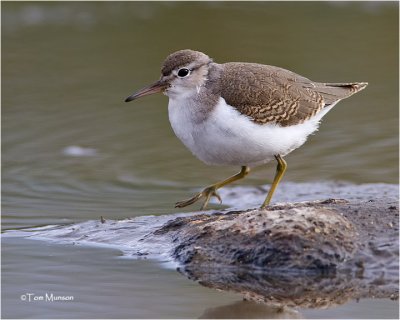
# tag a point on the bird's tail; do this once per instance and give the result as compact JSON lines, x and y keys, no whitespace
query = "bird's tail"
{"x":333,"y":92}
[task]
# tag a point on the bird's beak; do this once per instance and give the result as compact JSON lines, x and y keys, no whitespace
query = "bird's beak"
{"x":151,"y":89}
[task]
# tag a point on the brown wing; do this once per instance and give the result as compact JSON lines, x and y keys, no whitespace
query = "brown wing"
{"x":269,"y":94}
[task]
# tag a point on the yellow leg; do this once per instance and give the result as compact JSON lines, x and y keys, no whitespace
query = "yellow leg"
{"x":211,"y":191}
{"x":280,"y":170}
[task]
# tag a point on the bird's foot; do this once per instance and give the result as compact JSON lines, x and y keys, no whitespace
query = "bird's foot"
{"x":207,"y":193}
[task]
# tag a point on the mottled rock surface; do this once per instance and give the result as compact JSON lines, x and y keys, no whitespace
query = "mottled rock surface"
{"x":302,"y":236}
{"x":309,"y":254}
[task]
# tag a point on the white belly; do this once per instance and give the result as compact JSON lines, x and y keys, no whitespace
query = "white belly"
{"x":227,"y":137}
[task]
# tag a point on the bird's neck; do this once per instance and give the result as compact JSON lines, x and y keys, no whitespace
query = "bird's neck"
{"x":198,"y":104}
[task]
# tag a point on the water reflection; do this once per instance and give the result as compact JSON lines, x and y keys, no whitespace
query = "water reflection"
{"x":297,"y":289}
{"x":250,"y":310}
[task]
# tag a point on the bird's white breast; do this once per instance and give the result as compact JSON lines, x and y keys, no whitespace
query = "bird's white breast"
{"x":227,"y":137}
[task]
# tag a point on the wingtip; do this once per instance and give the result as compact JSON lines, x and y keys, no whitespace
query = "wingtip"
{"x":360,"y":86}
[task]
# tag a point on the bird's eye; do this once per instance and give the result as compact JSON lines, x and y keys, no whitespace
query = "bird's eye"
{"x":183,"y":72}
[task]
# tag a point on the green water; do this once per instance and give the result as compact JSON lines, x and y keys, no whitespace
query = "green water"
{"x":66,"y":69}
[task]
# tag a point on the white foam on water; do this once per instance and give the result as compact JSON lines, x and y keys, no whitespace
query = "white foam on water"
{"x":76,"y":151}
{"x":133,"y":237}
{"x":244,"y":197}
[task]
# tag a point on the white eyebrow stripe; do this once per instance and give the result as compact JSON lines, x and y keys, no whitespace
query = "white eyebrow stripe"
{"x":191,"y":66}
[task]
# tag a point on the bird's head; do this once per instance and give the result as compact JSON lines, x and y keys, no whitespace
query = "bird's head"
{"x":183,"y":73}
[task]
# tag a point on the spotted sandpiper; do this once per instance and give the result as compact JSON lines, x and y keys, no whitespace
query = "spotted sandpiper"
{"x":243,"y":114}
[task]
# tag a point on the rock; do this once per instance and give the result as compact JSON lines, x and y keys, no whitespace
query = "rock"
{"x":309,"y":254}
{"x":305,"y":236}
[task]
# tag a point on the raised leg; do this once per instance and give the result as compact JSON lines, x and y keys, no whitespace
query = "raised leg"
{"x":211,"y":191}
{"x":280,"y":170}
